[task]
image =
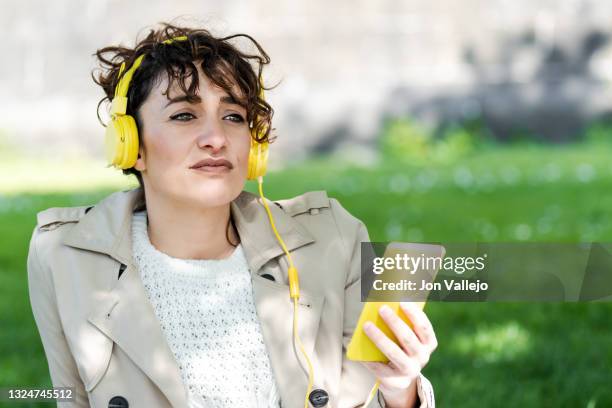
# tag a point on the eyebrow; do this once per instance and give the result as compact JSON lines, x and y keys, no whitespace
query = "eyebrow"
{"x":231,"y":101}
{"x":228,"y":99}
{"x":183,"y":98}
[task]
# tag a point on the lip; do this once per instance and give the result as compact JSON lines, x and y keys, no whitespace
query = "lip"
{"x":212,"y":169}
{"x":213,"y":166}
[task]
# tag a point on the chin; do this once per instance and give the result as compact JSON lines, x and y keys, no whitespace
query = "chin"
{"x":213,"y":193}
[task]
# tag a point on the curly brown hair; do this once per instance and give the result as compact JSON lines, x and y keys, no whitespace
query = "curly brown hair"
{"x":222,"y":62}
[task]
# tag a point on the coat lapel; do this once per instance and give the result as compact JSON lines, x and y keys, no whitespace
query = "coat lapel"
{"x":125,"y":314}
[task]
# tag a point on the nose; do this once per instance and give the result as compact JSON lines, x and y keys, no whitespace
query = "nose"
{"x":212,"y":136}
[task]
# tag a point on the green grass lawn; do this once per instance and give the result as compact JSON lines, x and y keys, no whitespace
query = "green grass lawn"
{"x":540,"y":355}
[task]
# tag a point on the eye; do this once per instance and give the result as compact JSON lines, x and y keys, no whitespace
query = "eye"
{"x":182,"y":117}
{"x":235,"y":118}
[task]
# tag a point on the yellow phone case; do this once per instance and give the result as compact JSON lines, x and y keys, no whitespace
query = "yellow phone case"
{"x":361,"y":348}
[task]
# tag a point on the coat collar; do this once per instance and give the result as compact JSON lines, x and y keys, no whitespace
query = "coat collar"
{"x":106,"y":228}
{"x":123,"y":311}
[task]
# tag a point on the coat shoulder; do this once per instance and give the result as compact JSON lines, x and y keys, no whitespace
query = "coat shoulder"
{"x":54,"y":217}
{"x":315,"y":202}
{"x":311,"y":201}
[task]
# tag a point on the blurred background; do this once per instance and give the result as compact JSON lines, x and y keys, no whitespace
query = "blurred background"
{"x":433,"y":120}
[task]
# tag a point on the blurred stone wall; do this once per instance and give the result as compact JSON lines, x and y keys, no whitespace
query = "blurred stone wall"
{"x":539,"y":65}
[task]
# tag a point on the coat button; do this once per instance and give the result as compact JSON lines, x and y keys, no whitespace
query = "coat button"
{"x":318,"y":398}
{"x":118,"y":402}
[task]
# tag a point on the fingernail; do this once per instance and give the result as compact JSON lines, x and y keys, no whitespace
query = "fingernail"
{"x":368,"y":326}
{"x":385,"y":310}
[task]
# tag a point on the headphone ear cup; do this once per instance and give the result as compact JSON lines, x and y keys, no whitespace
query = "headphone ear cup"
{"x":252,"y":160}
{"x":258,"y":159}
{"x":121,"y":141}
{"x":262,"y":159}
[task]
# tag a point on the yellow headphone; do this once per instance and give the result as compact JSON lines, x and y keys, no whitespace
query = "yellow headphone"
{"x":121,"y":142}
{"x":121,"y":138}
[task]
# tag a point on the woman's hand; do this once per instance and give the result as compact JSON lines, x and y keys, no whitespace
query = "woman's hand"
{"x":398,"y":376}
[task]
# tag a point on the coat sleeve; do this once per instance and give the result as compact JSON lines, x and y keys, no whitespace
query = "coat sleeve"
{"x":356,"y":380}
{"x":62,"y":367}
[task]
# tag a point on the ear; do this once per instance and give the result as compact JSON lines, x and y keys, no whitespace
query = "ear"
{"x":140,"y":162}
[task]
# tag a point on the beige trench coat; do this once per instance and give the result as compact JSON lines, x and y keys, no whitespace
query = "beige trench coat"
{"x":101,"y":335}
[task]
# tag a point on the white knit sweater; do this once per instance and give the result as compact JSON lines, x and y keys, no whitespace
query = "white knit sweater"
{"x":207,"y":314}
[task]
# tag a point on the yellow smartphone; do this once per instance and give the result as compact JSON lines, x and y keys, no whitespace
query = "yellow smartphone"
{"x":361,"y":348}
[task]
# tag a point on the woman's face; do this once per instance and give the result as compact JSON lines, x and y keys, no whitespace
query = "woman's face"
{"x":177,"y":135}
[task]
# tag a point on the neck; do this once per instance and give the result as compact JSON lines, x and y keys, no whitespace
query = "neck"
{"x":190,"y":233}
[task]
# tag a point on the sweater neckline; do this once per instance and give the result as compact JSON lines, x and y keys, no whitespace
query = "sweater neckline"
{"x":143,"y":244}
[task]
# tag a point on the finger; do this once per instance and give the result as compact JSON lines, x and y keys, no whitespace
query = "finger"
{"x":421,"y":325}
{"x":406,"y":337}
{"x":388,"y":347}
{"x":380,"y":370}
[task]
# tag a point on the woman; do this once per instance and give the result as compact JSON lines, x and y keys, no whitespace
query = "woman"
{"x":180,"y":296}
